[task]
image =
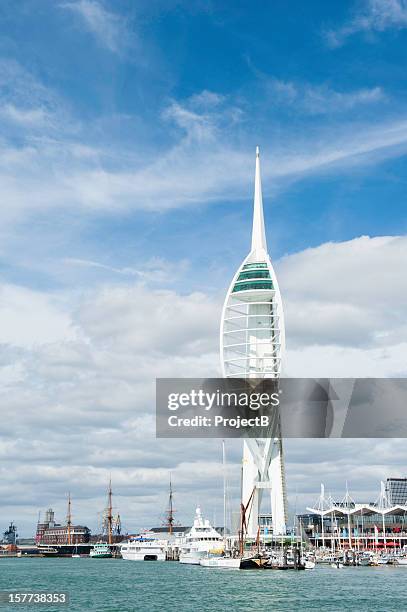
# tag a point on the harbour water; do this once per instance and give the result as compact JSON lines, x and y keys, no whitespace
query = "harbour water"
{"x":112,"y":585}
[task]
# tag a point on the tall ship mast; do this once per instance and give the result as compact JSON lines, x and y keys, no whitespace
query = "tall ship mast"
{"x":109,"y":516}
{"x":111,"y":524}
{"x":69,"y":521}
{"x":170,"y":512}
{"x":252,"y":342}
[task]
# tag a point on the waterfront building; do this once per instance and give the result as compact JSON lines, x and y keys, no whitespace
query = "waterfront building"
{"x":51,"y":533}
{"x":349,"y":524}
{"x":252,"y":346}
{"x":396,"y":490}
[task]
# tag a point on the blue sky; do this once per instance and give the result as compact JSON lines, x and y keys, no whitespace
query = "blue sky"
{"x":167,"y":88}
{"x":128,"y":134}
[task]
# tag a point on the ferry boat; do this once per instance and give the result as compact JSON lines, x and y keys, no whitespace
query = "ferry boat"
{"x":144,"y":548}
{"x":201,"y":539}
{"x":101,"y":550}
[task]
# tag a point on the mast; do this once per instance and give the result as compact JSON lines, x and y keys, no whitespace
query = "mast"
{"x":109,"y":513}
{"x":170,"y":511}
{"x":243,"y":521}
{"x":224,"y":491}
{"x":69,"y":519}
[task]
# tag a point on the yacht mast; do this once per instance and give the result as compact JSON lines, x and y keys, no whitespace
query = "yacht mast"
{"x":224,"y":490}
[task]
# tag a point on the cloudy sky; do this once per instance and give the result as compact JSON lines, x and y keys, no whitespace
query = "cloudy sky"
{"x":128,"y":131}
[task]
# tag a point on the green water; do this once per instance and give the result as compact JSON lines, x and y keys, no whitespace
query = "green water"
{"x":110,"y":585}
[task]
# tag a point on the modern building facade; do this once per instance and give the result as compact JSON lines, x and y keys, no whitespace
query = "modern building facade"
{"x":377,"y":525}
{"x":396,"y":490}
{"x":252,"y":346}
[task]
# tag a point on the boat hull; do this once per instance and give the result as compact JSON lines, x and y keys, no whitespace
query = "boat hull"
{"x":225,"y":562}
{"x":64,"y":550}
{"x":191,"y":558}
{"x":255,"y":563}
{"x":143,"y":556}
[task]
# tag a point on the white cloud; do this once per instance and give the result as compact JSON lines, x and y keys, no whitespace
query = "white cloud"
{"x":375,"y":16}
{"x":344,"y":305}
{"x":30,"y":318}
{"x":154,"y":271}
{"x":27,"y":104}
{"x":110,"y":29}
{"x":26,"y":117}
{"x":57,"y":166}
{"x":351,"y":292}
{"x":320,"y":99}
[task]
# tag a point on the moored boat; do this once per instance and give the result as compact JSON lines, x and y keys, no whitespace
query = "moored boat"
{"x":101,"y":550}
{"x":144,"y":549}
{"x":401,"y":561}
{"x":255,"y":562}
{"x":199,"y":541}
{"x":64,"y":550}
{"x":222,"y":562}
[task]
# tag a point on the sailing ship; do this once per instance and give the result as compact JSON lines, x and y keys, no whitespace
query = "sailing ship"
{"x":110,"y":526}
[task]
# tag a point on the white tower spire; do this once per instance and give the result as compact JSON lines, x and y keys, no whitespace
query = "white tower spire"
{"x":252,"y":346}
{"x":259,"y":242}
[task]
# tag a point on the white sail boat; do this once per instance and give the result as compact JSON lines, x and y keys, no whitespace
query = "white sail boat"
{"x":222,"y":561}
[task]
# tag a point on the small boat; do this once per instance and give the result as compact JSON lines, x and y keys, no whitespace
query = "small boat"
{"x":308,"y":564}
{"x":401,"y":561}
{"x":337,"y":565}
{"x":223,"y":562}
{"x":384,"y":560}
{"x":48,"y":551}
{"x":101,"y":550}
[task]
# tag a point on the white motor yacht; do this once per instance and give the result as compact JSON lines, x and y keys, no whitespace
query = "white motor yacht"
{"x":201,"y":540}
